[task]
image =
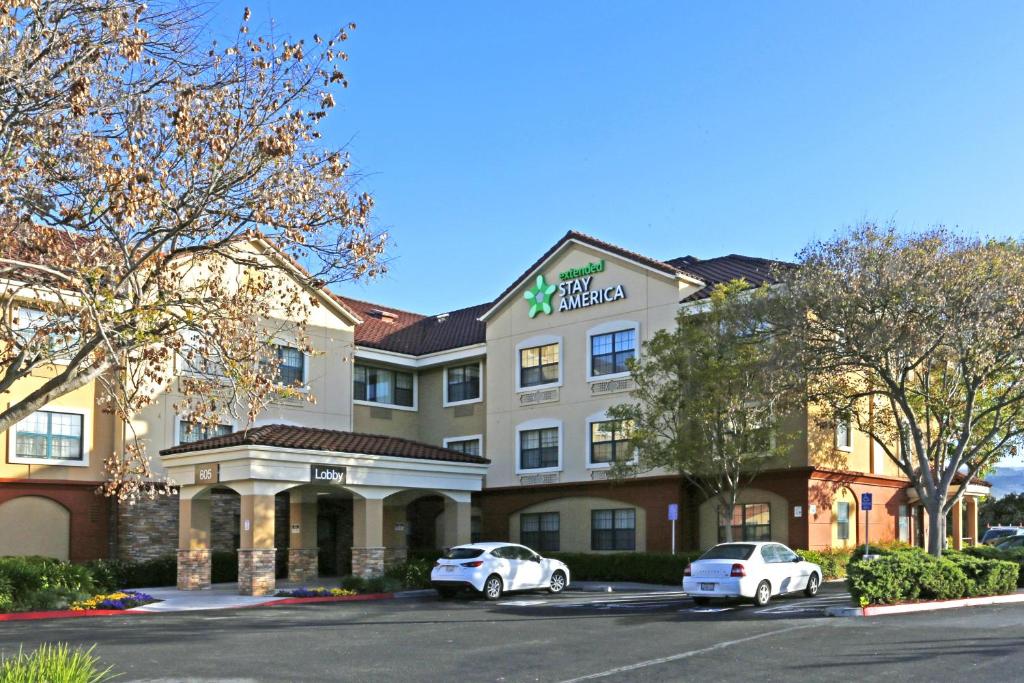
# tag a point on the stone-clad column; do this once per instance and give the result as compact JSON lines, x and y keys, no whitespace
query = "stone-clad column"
{"x":256,"y":556}
{"x":368,"y":537}
{"x":303,"y":565}
{"x":194,"y":567}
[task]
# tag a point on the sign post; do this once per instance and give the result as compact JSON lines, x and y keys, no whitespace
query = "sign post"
{"x":865,"y":505}
{"x":673,"y":515}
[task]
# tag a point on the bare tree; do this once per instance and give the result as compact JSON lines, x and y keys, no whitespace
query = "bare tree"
{"x":158,"y":199}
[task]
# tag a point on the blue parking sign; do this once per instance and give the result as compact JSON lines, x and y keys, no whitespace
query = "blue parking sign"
{"x":865,"y":501}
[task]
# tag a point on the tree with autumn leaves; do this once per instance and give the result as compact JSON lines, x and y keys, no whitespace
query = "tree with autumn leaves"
{"x":163,"y":196}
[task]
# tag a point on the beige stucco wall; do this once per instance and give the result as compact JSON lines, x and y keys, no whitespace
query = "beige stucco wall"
{"x":32,"y":525}
{"x":652,"y":300}
{"x":822,"y":450}
{"x":574,"y":521}
{"x":98,"y":433}
{"x":778,"y":516}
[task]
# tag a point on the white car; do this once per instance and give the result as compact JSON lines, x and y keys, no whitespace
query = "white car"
{"x":493,"y":568}
{"x":750,"y":570}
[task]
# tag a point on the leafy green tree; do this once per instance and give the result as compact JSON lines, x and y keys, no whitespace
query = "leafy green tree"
{"x":919,"y":340}
{"x":1005,"y":511}
{"x":709,"y":401}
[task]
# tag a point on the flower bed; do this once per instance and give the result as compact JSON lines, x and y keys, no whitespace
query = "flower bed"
{"x":120,"y":600}
{"x":319,"y":592}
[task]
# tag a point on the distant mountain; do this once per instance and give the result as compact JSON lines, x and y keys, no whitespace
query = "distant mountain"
{"x":1006,"y":480}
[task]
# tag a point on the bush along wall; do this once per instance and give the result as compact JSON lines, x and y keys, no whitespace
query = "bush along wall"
{"x":42,"y":583}
{"x":640,"y":567}
{"x":911,"y":574}
{"x":832,"y":561}
{"x":1015,"y":555}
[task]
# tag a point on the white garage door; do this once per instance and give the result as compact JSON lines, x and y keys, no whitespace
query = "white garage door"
{"x":31,"y":525}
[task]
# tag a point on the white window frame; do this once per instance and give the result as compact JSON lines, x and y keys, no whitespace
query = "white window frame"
{"x":177,"y":428}
{"x":598,"y":417}
{"x":305,"y":366}
{"x":542,"y":340}
{"x":391,"y":406}
{"x":444,"y":388}
{"x":56,"y":359}
{"x":606,"y":328}
{"x":540,"y":423}
{"x":468,"y":437}
{"x":846,"y":448}
{"x":12,"y":440}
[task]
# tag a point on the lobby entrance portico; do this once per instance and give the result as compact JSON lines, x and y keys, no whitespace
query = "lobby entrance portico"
{"x":381,"y":480}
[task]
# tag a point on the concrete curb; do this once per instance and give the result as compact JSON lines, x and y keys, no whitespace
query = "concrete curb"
{"x":327,"y":598}
{"x":931,"y":606}
{"x":64,"y":614}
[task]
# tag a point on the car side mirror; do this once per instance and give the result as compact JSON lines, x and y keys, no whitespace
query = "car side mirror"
{"x":536,"y":558}
{"x":796,"y":559}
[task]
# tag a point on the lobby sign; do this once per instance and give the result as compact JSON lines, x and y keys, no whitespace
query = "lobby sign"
{"x":577,"y":289}
{"x":207,"y":474}
{"x":326,"y":474}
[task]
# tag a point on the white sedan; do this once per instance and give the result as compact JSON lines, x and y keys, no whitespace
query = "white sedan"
{"x":750,"y":570}
{"x":493,"y":568}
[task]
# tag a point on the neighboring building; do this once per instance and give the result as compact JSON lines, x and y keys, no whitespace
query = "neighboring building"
{"x":516,"y":388}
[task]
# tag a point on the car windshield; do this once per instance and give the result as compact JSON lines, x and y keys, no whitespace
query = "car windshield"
{"x":729,"y":551}
{"x":996,"y":533}
{"x":463,"y":553}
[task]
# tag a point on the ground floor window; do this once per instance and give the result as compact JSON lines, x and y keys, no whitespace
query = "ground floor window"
{"x":749,"y":522}
{"x":539,"y":531}
{"x":613,"y":529}
{"x":903,"y":524}
{"x":843,"y":520}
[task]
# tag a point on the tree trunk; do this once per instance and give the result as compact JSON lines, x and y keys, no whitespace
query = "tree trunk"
{"x":936,"y":529}
{"x":727,"y":518}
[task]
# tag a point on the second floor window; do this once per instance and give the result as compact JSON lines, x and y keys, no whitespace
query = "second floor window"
{"x":538,"y":448}
{"x":466,"y":446}
{"x":48,"y":435}
{"x":609,"y":441}
{"x":538,"y":365}
{"x":190,"y":432}
{"x":609,"y":352}
{"x":380,"y":385}
{"x":844,"y":434}
{"x":291,"y":369}
{"x":464,"y":383}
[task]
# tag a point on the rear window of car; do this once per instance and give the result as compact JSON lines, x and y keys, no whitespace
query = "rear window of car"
{"x":997,"y":533}
{"x":729,"y":551}
{"x":463,"y":553}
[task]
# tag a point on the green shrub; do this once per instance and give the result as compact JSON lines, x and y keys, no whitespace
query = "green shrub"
{"x":832,"y":561}
{"x":411,"y":574}
{"x":640,"y":567}
{"x":56,"y":663}
{"x":354,"y":583}
{"x":905,"y":574}
{"x":880,"y":549}
{"x":41,"y":583}
{"x":1014,"y":555}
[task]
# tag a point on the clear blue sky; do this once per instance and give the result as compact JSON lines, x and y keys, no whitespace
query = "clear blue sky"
{"x":485,"y":130}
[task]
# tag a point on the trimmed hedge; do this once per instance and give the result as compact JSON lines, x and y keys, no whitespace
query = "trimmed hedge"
{"x":1015,"y":555}
{"x":113,"y":575}
{"x":656,"y":568}
{"x":832,"y":561}
{"x":41,"y":583}
{"x":910,"y":574}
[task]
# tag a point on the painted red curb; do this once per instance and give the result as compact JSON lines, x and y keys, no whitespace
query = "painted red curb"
{"x":63,"y":614}
{"x":329,"y":598}
{"x":881,"y":610}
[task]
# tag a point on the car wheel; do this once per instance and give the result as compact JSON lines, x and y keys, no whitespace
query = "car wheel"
{"x":446,"y":592}
{"x":557,"y":582}
{"x":493,"y":587}
{"x":763,"y":594}
{"x":701,"y":602}
{"x":813,"y":584}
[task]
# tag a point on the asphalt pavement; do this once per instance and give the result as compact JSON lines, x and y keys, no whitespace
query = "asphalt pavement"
{"x":655,"y":636}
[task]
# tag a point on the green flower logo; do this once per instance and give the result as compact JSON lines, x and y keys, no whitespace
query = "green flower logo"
{"x":539,"y":296}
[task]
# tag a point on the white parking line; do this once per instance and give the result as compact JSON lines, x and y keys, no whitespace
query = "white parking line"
{"x":683,"y":655}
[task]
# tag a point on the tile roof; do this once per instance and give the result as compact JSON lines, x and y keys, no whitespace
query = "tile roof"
{"x":328,"y":440}
{"x":415,"y":334}
{"x":715,"y":271}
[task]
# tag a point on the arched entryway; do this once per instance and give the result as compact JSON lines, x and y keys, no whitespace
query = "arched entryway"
{"x":34,"y":525}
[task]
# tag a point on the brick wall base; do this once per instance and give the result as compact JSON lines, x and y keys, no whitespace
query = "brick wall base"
{"x":367,"y":562}
{"x":303,"y":565}
{"x":194,"y":570}
{"x":256,"y":571}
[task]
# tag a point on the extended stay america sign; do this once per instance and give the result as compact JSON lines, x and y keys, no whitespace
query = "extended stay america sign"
{"x":577,"y":289}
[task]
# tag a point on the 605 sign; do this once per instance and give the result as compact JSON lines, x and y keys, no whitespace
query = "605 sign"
{"x":207,"y":474}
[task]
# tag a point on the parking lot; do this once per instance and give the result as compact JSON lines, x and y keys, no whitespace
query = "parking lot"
{"x":538,"y":637}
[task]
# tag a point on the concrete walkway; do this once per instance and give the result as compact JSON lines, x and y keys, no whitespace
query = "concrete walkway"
{"x":225,"y":595}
